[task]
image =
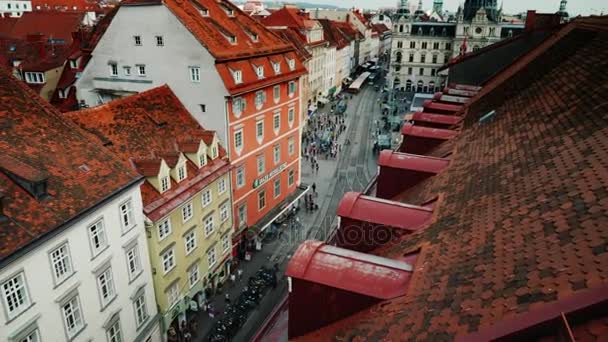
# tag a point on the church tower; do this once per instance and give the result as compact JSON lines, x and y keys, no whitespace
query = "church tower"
{"x":563,"y":14}
{"x":472,"y":6}
{"x":438,"y":6}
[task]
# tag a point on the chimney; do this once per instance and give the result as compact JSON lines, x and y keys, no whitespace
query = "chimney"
{"x":530,"y":20}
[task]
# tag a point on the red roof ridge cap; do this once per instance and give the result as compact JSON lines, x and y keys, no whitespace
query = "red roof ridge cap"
{"x":395,"y":203}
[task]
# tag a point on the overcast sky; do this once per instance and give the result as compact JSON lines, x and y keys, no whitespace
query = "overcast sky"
{"x":575,"y":7}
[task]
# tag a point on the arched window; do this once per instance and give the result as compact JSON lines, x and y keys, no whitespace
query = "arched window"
{"x":408,"y":85}
{"x":396,"y":82}
{"x":400,"y":28}
{"x":398,"y":57}
{"x":420,"y":85}
{"x":420,"y":31}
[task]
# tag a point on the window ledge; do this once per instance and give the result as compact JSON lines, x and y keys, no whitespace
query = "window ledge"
{"x":11,"y":319}
{"x":64,"y":280}
{"x":73,"y":337}
{"x":105,"y":306}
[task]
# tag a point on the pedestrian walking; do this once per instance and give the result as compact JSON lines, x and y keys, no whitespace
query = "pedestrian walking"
{"x":239,"y":273}
{"x":227,"y":297}
{"x":317,"y":168}
{"x":314,"y":188}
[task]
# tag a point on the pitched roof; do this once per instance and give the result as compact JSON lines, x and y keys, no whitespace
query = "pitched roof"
{"x":333,"y":34}
{"x":81,"y":173}
{"x":66,"y":5}
{"x":522,"y":210}
{"x":348,"y":30}
{"x":145,"y":128}
{"x":52,"y":25}
{"x":289,"y":16}
{"x":296,"y":39}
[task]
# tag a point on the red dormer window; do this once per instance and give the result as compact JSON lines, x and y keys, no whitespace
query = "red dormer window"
{"x":291,"y":63}
{"x":74,"y":63}
{"x":259,"y":70}
{"x":238,"y":76}
{"x":276,"y":67}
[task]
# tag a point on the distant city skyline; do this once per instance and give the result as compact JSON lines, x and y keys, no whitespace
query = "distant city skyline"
{"x":575,"y":7}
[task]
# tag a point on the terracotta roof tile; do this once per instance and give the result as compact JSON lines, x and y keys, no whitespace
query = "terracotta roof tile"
{"x":81,"y":173}
{"x":66,"y":5}
{"x":522,"y":217}
{"x":130,"y":127}
{"x":55,"y":25}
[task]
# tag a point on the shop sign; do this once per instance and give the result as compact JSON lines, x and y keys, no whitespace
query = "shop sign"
{"x":260,"y":181}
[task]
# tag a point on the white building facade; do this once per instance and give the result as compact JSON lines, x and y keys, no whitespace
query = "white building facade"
{"x":90,"y":281}
{"x":14,"y":8}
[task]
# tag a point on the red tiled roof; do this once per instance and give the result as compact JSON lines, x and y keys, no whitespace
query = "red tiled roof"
{"x":333,"y":34}
{"x":81,"y":174}
{"x":291,"y":17}
{"x":66,"y":5}
{"x":52,"y":25}
{"x":349,"y":32}
{"x":380,"y":28}
{"x":131,"y":127}
{"x":521,"y":220}
{"x":296,"y":39}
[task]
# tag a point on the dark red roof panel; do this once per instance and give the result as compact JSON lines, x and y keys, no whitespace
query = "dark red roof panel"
{"x":459,"y":92}
{"x":348,"y":270}
{"x":414,"y":162}
{"x":427,"y":132}
{"x":435,"y":118}
{"x":453,"y":99}
{"x":357,"y":206}
{"x":428,"y":104}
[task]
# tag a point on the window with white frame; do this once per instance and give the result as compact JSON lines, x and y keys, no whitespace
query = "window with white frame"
{"x":221,"y":185}
{"x":291,"y":145}
{"x":224,"y":212}
{"x":62,"y":264}
{"x":277,"y":187}
{"x":214,"y":151}
{"x":105,"y":285}
{"x":173,"y":294}
{"x":290,"y":177}
{"x":238,"y":105}
{"x":202,"y":159}
{"x":126,"y":70}
{"x":34,"y":77}
{"x":164,"y":229}
{"x":141,"y":69}
{"x":15,"y":295}
{"x":238,"y":76}
{"x":276,"y":67}
{"x":291,"y":115}
{"x":141,"y":311}
{"x":261,"y":199}
{"x":164,"y":184}
{"x":207,"y":197}
{"x":208,"y":224}
{"x":260,"y":99}
{"x":126,"y":215}
{"x":72,"y":316}
{"x":211,"y":256}
{"x":187,"y":212}
{"x":113,"y":69}
{"x":276,"y":153}
{"x":114,"y":332}
{"x":259,"y":70}
{"x":195,"y":74}
{"x":168,"y":259}
{"x":133,"y":262}
{"x":261,"y":164}
{"x":240,"y":176}
{"x":137,"y":40}
{"x":73,"y":63}
{"x":276,"y":122}
{"x":238,"y":140}
{"x":193,"y":275}
{"x":291,"y":63}
{"x":33,"y":336}
{"x":190,"y":241}
{"x":160,"y":41}
{"x":276,"y":93}
{"x":292,"y":88}
{"x":97,"y":236}
{"x":181,"y":173}
{"x":259,"y":130}
{"x":226,"y":242}
{"x":242,"y":213}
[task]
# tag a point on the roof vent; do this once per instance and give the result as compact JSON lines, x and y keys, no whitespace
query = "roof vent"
{"x":32,"y":179}
{"x":487,"y":118}
{"x":84,"y":168}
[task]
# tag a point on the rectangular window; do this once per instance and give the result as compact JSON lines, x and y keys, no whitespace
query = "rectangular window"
{"x":259,"y":130}
{"x":238,"y":76}
{"x":190,"y":242}
{"x":168,"y":260}
{"x":261,"y":199}
{"x":409,"y":70}
{"x":126,"y":70}
{"x":114,"y":332}
{"x":141,"y":69}
{"x":290,"y":177}
{"x":164,"y":229}
{"x":33,"y":336}
{"x":291,"y":145}
{"x":72,"y":316}
{"x":16,"y":298}
{"x":195,"y":74}
{"x":141,"y":311}
{"x":113,"y":69}
{"x":276,"y":153}
{"x":261,"y":164}
{"x":240,"y":177}
{"x":187,"y":212}
{"x":399,"y":45}
{"x":422,"y":58}
{"x":412,"y":44}
{"x":203,"y":108}
{"x":207,"y":197}
{"x":292,"y":87}
{"x":193,"y":275}
{"x":164,"y":184}
{"x":434,"y":60}
{"x":291,"y":115}
{"x":181,"y":173}
{"x":62,"y":265}
{"x":160,"y":41}
{"x":276,"y":121}
{"x":421,"y":71}
{"x":446,"y":59}
{"x":448,"y":46}
{"x":172,"y":294}
{"x":277,"y":187}
{"x":221,"y":186}
{"x":436,"y":46}
{"x":411,"y":58}
{"x":238,"y":139}
{"x":260,"y":71}
{"x":133,"y":262}
{"x":226,"y":242}
{"x":276,"y":92}
{"x":433,"y":72}
{"x":105,"y":285}
{"x":208,"y":224}
{"x":224,"y":212}
{"x":202,"y":159}
{"x":211,"y":257}
{"x":242,"y":212}
{"x":126,"y":215}
{"x":238,"y":105}
{"x":98,"y":238}
{"x":291,"y":63}
{"x":424,"y":45}
{"x":137,"y":40}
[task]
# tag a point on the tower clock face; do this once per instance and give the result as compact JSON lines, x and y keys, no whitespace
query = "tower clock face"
{"x":478,"y":30}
